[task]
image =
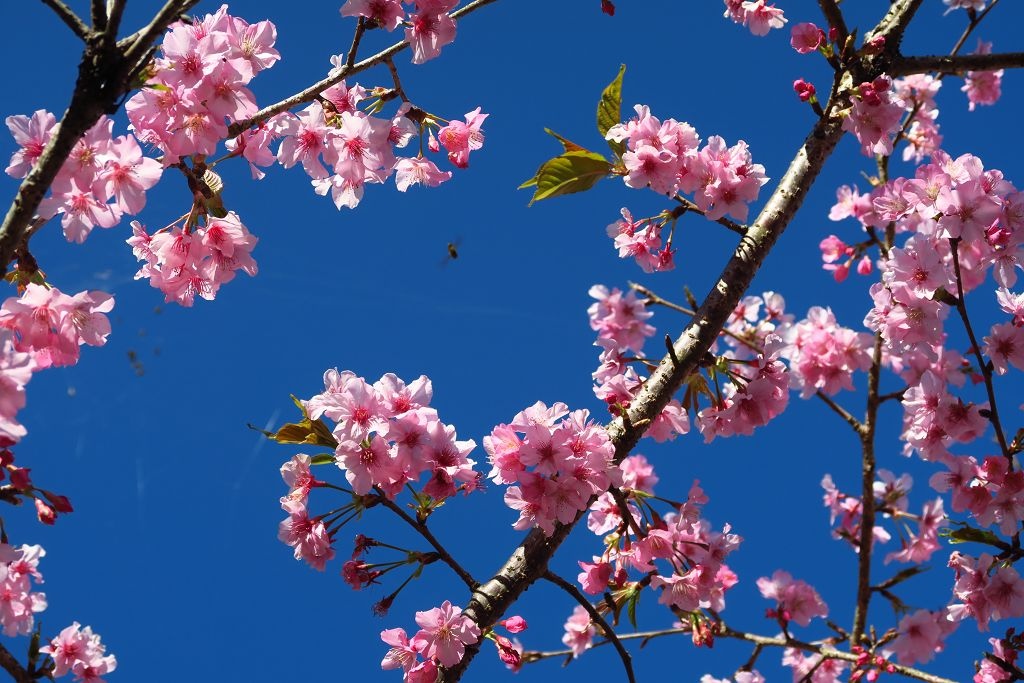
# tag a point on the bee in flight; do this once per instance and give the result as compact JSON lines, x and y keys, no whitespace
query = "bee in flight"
{"x":453,"y":251}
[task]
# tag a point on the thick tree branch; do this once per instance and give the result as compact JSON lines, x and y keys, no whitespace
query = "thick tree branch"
{"x":71,"y":19}
{"x":529,"y":561}
{"x":957,"y":64}
{"x":309,"y":94}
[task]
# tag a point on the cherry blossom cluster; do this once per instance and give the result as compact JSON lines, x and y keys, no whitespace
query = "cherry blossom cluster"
{"x":757,"y":15}
{"x":195,"y":261}
{"x":19,"y":568}
{"x":620,"y":322}
{"x":102,"y":179}
{"x":199,"y":82}
{"x":823,"y":355}
{"x":556,"y":460}
{"x":40,"y":329}
{"x":641,"y":240}
{"x":921,"y":635}
{"x":890,"y":499}
{"x":681,"y":556}
{"x":387,"y":437}
{"x":429,"y":27}
{"x":667,"y":157}
{"x":359,"y":148}
{"x":795,"y":600}
{"x":874,"y":116}
{"x":983,"y":87}
{"x":986,"y":590}
{"x":79,"y":651}
{"x":697,"y":576}
{"x":1007,"y":649}
{"x":441,"y":641}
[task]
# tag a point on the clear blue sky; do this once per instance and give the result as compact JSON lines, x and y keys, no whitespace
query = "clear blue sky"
{"x":172,"y":553}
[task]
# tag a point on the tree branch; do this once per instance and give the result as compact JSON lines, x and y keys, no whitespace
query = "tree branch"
{"x":958,"y":64}
{"x":104,"y":76}
{"x":834,"y":17}
{"x":12,"y":666}
{"x":66,"y":15}
{"x":761,"y":641}
{"x":627,"y":660}
{"x":529,"y":560}
{"x":423,"y":531}
{"x":310,"y":93}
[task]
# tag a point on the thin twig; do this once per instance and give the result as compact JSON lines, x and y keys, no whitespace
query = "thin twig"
{"x":693,"y":208}
{"x":840,"y":411}
{"x":71,"y":19}
{"x":984,"y":367}
{"x":357,"y":35}
{"x":423,"y":531}
{"x":764,"y":641}
{"x":310,"y":93}
{"x":627,"y":660}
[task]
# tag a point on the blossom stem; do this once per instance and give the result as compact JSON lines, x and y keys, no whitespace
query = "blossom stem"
{"x":423,"y":531}
{"x":840,"y":411}
{"x":984,"y":367}
{"x":627,"y":660}
{"x":688,"y":206}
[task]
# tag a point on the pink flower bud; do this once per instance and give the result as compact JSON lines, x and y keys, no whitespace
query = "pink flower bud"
{"x":20,"y":478}
{"x":45,"y":513}
{"x":804,"y":90}
{"x":514,"y":624}
{"x":864,"y":266}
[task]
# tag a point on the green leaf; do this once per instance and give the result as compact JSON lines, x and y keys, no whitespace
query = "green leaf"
{"x":315,"y":432}
{"x":568,"y":173}
{"x":967,"y":534}
{"x":322,"y":459}
{"x":569,"y":145}
{"x":631,"y":607}
{"x":609,"y":111}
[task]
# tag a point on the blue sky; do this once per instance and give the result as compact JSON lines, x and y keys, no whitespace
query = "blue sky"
{"x":172,"y":554}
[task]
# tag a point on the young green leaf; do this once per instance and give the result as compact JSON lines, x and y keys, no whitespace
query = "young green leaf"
{"x":609,"y":110}
{"x":567,"y":173}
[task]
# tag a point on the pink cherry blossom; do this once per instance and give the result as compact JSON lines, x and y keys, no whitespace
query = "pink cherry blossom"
{"x":462,"y":138}
{"x":806,"y":37}
{"x":31,"y":134}
{"x":444,"y":633}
